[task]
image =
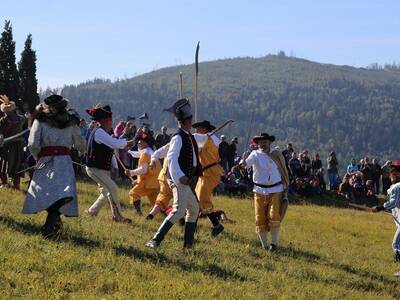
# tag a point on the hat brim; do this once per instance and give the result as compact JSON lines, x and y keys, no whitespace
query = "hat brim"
{"x":209,"y":127}
{"x":258,"y":138}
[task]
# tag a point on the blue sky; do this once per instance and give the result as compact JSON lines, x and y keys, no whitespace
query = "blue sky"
{"x":79,"y":40}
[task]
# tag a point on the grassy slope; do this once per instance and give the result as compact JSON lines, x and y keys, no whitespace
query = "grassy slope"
{"x":326,"y":252}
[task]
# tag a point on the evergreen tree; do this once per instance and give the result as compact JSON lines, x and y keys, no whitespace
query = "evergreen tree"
{"x":27,"y":76}
{"x":9,"y":73}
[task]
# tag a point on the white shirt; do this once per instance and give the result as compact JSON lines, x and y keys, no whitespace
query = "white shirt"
{"x":202,"y":139}
{"x":265,"y":172}
{"x":102,"y":137}
{"x":144,"y":167}
{"x":175,"y":146}
{"x":160,"y":153}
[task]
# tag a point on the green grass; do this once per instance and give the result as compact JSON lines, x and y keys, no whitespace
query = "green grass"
{"x":326,"y":252}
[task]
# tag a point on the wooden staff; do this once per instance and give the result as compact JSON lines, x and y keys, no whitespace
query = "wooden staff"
{"x":196,"y":99}
{"x":220,"y":127}
{"x":180,"y":85}
{"x":125,"y":169}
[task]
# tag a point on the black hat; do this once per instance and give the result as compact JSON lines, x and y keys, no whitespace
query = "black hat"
{"x":181,"y":109}
{"x":263,"y":136}
{"x":100,"y":112}
{"x":56,"y":101}
{"x":204,"y":124}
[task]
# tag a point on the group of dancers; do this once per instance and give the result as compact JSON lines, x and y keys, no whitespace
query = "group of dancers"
{"x":186,"y":171}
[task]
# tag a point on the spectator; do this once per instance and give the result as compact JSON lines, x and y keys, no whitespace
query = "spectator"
{"x":294,"y":165}
{"x":305,"y":162}
{"x":287,"y":153}
{"x":318,"y":171}
{"x":162,"y":138}
{"x":119,"y":129}
{"x":386,"y":183}
{"x":232,"y":152}
{"x":366,"y":169}
{"x":224,"y":153}
{"x":345,"y":188}
{"x":353,"y":167}
{"x":332,"y":170}
{"x":376,"y":174}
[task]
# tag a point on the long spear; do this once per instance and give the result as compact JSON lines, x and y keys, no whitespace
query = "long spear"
{"x":196,"y":99}
{"x":180,"y":85}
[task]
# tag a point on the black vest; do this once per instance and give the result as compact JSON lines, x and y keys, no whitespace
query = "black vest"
{"x":185,"y":159}
{"x":98,"y":155}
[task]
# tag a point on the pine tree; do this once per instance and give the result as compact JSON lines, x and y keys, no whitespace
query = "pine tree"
{"x":27,"y":77}
{"x":9,"y":73}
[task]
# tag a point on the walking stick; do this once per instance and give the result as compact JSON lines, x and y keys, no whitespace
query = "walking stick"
{"x":196,"y":99}
{"x":125,"y":169}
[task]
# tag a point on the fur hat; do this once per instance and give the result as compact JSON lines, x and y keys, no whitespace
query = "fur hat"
{"x":56,"y":101}
{"x":181,"y":109}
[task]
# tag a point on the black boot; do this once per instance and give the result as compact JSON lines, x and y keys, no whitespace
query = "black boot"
{"x":160,"y":234}
{"x":397,"y":256}
{"x":138,"y":207}
{"x":188,"y":238}
{"x":217,"y":226}
{"x":52,"y":225}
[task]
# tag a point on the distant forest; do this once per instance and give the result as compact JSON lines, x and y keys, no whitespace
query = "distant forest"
{"x":320,"y":107}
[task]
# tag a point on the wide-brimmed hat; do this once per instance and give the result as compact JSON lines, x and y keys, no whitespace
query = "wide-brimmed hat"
{"x":263,"y":136}
{"x":181,"y":109}
{"x":100,"y":112}
{"x":204,"y":124}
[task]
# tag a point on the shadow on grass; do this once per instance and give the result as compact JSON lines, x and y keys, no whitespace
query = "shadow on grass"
{"x":364,"y":284}
{"x":32,"y":229}
{"x":210,"y":269}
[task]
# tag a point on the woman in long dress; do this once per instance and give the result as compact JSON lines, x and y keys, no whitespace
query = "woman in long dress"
{"x":53,"y":187}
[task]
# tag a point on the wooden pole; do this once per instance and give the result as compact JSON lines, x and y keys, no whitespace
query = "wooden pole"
{"x":196,"y":101}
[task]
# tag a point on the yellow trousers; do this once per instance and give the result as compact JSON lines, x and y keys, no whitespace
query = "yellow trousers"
{"x":204,"y":188}
{"x":164,"y":196}
{"x":139,"y":190}
{"x":267,"y":211}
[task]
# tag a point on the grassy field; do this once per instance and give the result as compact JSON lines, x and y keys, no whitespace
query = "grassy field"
{"x":326,"y":253}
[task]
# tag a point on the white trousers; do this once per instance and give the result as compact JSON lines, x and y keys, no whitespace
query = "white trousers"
{"x":185,"y":204}
{"x":108,"y":191}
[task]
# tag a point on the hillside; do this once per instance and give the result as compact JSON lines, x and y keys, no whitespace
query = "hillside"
{"x":316,"y":106}
{"x":326,"y":253}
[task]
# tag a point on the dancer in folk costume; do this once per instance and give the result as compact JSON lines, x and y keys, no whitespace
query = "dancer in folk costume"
{"x":271,"y":181}
{"x":212,"y":172}
{"x":165,"y":194}
{"x":147,"y":178}
{"x":394,"y":205}
{"x":53,"y":186}
{"x":100,"y":150}
{"x":12,"y":153}
{"x":183,"y":168}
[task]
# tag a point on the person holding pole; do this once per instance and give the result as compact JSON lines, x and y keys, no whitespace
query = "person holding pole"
{"x":100,"y":150}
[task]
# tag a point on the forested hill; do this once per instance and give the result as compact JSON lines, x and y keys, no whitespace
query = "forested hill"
{"x":316,"y":106}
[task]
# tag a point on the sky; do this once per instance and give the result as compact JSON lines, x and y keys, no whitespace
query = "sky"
{"x":77,"y":41}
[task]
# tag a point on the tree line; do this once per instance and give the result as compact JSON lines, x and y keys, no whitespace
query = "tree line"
{"x":18,"y":81}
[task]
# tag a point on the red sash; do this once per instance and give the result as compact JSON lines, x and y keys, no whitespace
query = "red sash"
{"x":54,"y":151}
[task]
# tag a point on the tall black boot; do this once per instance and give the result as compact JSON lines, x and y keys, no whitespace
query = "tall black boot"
{"x":217,"y":226}
{"x":188,"y":238}
{"x":160,"y":234}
